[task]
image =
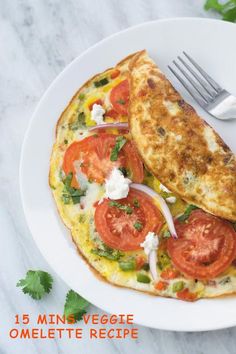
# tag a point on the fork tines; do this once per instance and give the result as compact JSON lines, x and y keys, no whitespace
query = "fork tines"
{"x":202,"y":87}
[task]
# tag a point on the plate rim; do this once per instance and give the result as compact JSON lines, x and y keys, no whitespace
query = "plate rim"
{"x":26,"y":137}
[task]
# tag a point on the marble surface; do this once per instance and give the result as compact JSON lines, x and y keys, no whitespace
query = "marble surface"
{"x":37,"y":40}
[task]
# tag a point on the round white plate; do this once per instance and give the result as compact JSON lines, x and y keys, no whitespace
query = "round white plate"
{"x":211,"y":43}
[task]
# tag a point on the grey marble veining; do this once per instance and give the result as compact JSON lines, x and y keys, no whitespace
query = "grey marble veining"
{"x":37,"y":40}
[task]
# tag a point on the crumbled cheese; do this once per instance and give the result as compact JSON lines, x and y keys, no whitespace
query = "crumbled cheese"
{"x":97,"y":113}
{"x":150,"y":243}
{"x":117,"y":186}
{"x":171,"y":200}
{"x":164,"y":189}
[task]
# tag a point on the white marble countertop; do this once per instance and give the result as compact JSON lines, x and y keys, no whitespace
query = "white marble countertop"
{"x":37,"y":40}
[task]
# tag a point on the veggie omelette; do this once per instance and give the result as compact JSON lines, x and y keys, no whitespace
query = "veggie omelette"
{"x":110,"y":173}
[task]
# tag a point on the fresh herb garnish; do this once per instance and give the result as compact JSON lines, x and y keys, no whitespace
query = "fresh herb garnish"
{"x":136,"y":203}
{"x":37,"y":283}
{"x":79,"y":123}
{"x":120,"y":142}
{"x":109,"y":253}
{"x":65,"y":141}
{"x":187,"y":213}
{"x":120,"y":101}
{"x":120,"y":206}
{"x":227,"y":9}
{"x":70,"y":193}
{"x":75,"y":305}
{"x":101,"y":82}
{"x":166,"y":234}
{"x":138,"y":225}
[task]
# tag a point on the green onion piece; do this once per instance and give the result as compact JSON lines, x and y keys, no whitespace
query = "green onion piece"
{"x":178,"y":286}
{"x":127,"y":265}
{"x":101,"y":82}
{"x":143,"y":278}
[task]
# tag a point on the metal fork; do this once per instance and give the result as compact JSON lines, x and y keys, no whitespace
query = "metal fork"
{"x":211,"y":96}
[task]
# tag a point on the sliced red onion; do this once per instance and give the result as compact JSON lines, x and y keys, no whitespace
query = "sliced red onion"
{"x":152,"y":260}
{"x":110,"y":125}
{"x":162,"y":204}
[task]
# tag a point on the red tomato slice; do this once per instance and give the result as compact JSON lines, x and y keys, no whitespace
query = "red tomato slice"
{"x":94,"y":154}
{"x":205,"y":247}
{"x":120,"y":97}
{"x":112,"y":114}
{"x":116,"y":227}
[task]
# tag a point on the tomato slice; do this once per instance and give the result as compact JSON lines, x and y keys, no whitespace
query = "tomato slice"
{"x":93,"y":155}
{"x":116,"y":227}
{"x":120,"y":97}
{"x":205,"y":247}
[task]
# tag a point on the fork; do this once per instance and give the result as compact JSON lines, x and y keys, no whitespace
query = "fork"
{"x":209,"y":94}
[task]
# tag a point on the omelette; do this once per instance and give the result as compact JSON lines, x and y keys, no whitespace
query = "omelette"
{"x":133,"y":223}
{"x":179,"y":147}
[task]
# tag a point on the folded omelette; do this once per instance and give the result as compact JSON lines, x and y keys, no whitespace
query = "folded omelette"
{"x":145,"y":186}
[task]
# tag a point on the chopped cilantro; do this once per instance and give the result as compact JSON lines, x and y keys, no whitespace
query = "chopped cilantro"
{"x":70,"y":193}
{"x":109,"y":253}
{"x":101,"y":82}
{"x":138,"y":225}
{"x":226,"y":9}
{"x":37,"y":283}
{"x":187,"y":213}
{"x":75,"y":305}
{"x":166,"y":234}
{"x":120,"y":206}
{"x":65,"y":141}
{"x":79,"y":123}
{"x":136,"y":203}
{"x":120,"y":101}
{"x":120,"y":142}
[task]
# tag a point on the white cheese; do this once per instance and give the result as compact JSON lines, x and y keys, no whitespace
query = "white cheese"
{"x":150,"y":243}
{"x":97,"y":113}
{"x":171,"y":200}
{"x":117,"y":186}
{"x":164,"y":189}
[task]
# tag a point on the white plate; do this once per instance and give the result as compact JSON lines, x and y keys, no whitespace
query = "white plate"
{"x":211,"y":43}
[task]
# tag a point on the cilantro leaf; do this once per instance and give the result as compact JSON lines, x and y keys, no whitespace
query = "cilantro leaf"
{"x":120,"y":142}
{"x":79,"y":122}
{"x":187,"y":213}
{"x":120,"y":206}
{"x":113,"y":255}
{"x":36,"y":283}
{"x":75,"y":305}
{"x":226,"y":9}
{"x":138,"y":225}
{"x":70,"y":193}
